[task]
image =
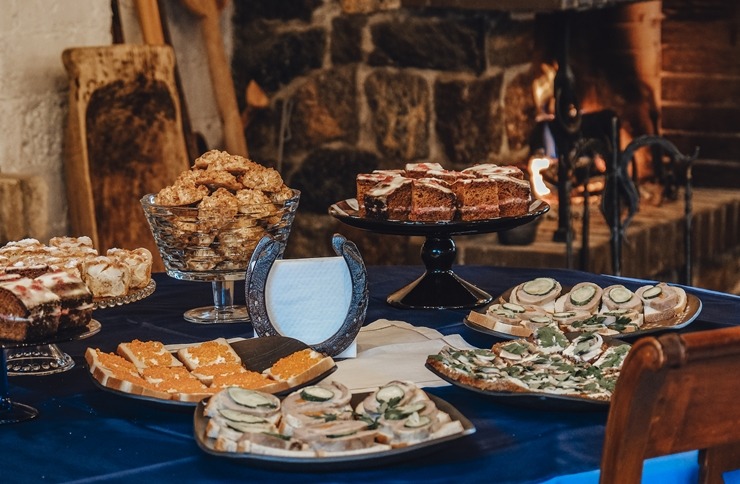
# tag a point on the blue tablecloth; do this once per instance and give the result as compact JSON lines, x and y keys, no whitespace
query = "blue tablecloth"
{"x":84,"y":434}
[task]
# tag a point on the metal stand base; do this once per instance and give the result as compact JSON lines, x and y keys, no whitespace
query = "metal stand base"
{"x":437,"y":290}
{"x":439,"y":287}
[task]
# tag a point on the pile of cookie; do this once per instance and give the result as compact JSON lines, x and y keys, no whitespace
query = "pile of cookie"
{"x":215,"y":213}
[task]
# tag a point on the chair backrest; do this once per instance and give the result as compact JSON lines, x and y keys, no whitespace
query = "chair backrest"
{"x":675,"y":393}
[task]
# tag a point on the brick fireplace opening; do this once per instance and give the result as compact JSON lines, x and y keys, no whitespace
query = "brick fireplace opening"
{"x":360,"y":85}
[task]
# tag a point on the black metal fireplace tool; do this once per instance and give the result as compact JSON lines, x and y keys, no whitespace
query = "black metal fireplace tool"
{"x":620,"y":189}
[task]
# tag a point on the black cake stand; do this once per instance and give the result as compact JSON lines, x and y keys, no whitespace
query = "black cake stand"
{"x":438,"y":287}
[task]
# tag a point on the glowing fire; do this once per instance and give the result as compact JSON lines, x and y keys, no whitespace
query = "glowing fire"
{"x":536,"y":165}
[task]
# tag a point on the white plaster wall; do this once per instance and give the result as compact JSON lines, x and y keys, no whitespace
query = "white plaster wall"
{"x":34,"y":86}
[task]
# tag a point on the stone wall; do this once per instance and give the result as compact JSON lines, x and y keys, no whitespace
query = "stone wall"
{"x":351,"y":92}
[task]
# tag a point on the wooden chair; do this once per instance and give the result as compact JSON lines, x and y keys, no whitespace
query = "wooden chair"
{"x":676,"y":393}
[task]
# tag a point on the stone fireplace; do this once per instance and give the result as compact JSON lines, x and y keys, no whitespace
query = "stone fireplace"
{"x":362,"y":85}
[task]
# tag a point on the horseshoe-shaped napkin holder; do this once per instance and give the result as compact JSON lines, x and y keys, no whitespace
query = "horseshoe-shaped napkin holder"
{"x":320,"y":301}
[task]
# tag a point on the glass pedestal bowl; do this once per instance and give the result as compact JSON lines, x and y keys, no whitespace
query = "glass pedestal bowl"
{"x":214,"y":246}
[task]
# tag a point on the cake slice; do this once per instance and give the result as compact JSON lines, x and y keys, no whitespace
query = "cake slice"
{"x":514,"y":195}
{"x":74,"y":295}
{"x":431,"y":201}
{"x":477,"y":198}
{"x":106,"y":276}
{"x":28,"y":310}
{"x":139,"y":262}
{"x":365,"y":182}
{"x":389,"y":200}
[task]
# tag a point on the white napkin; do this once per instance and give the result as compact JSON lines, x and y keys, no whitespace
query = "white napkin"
{"x":308,"y":299}
{"x":394,"y":350}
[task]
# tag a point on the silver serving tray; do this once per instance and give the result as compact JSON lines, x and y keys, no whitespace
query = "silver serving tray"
{"x":334,"y":463}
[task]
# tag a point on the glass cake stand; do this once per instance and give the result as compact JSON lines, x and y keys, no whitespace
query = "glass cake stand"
{"x":10,"y":411}
{"x":438,"y":287}
{"x":47,"y":359}
{"x":204,"y":246}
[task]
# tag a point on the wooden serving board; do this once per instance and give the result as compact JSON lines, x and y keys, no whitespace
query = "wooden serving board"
{"x":124,"y":139}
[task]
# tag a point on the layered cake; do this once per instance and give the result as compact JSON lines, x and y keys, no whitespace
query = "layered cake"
{"x":74,"y":296}
{"x":367,"y":181}
{"x":427,"y":192}
{"x":477,"y":198}
{"x":513,"y":195}
{"x":431,"y":201}
{"x":28,"y":310}
{"x":389,"y":199}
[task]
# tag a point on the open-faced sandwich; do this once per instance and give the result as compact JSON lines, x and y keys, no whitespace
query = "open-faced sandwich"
{"x":661,"y":301}
{"x":541,"y":292}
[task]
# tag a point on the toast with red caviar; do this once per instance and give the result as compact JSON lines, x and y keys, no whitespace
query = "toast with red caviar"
{"x":300,"y":367}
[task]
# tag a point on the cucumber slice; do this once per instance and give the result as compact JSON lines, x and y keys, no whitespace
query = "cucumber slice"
{"x":539,"y":286}
{"x":237,"y":416}
{"x":563,"y":315}
{"x":246,"y":426}
{"x":620,"y":294}
{"x":400,"y":413}
{"x":652,"y":293}
{"x":416,"y":421}
{"x":317,"y":394}
{"x":582,"y":295}
{"x":617,"y":312}
{"x":339,"y":436}
{"x":250,"y":398}
{"x":541,"y":320}
{"x":391,"y":394}
{"x":514,"y":308}
{"x":505,"y":313}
